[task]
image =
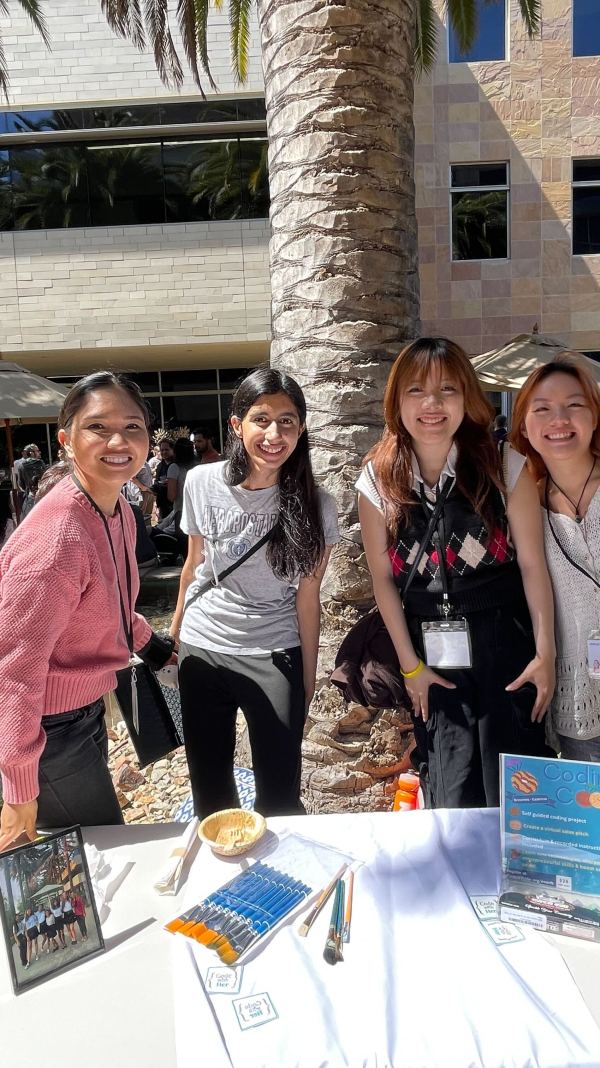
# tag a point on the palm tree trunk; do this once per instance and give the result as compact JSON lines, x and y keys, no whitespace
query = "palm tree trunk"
{"x":339,"y":97}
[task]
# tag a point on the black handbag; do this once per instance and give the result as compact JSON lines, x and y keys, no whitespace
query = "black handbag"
{"x":155,"y":727}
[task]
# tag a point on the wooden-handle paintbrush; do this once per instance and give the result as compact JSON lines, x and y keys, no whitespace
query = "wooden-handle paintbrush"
{"x":306,"y":925}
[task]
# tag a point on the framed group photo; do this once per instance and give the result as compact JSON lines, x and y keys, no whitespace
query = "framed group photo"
{"x":49,"y":917}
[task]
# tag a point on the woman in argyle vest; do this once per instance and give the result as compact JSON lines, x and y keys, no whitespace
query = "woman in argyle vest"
{"x":472,"y":623}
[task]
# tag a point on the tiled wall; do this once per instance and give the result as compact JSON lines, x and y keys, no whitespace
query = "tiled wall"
{"x":537,"y":111}
{"x":88,"y":62}
{"x":134,"y":285}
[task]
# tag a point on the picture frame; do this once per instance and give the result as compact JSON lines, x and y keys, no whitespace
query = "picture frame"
{"x":42,"y":935}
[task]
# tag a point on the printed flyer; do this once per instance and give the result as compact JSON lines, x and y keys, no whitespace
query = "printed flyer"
{"x":550,"y":833}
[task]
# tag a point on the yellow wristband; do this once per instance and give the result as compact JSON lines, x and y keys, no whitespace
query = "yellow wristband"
{"x":412,"y":674}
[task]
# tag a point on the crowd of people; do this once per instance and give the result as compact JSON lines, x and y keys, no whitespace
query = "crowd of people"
{"x":47,"y":927}
{"x":483,"y":547}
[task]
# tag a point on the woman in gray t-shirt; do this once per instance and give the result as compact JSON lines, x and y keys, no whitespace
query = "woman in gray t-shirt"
{"x":251,"y":641}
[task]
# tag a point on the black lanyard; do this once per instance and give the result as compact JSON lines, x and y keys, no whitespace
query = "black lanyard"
{"x":438,"y":535}
{"x":127,"y":625}
{"x":561,"y":546}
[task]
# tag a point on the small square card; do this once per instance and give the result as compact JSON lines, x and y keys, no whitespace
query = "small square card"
{"x":254,"y":1011}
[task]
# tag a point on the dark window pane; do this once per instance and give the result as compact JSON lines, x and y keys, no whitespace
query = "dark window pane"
{"x":200,"y":111}
{"x":192,"y":412}
{"x":251,"y":109}
{"x":586,"y":28}
{"x":154,"y":406}
{"x":126,"y":184}
{"x":3,"y":118}
{"x":479,"y":225}
{"x":183,"y":381}
{"x":254,"y":169}
{"x":593,"y":354}
{"x":66,"y":380}
{"x":121,"y":116}
{"x":586,"y":170}
{"x":202,"y":180}
{"x":146,"y":380}
{"x":479,"y":174}
{"x":490,"y":38}
{"x":225,"y":413}
{"x":49,"y":186}
{"x":38,"y":121}
{"x":6,"y":203}
{"x":586,"y":221}
{"x":230,"y":377}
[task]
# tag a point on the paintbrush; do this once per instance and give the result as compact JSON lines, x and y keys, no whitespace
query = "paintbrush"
{"x":306,"y":925}
{"x":348,"y":912}
{"x":333,"y":946}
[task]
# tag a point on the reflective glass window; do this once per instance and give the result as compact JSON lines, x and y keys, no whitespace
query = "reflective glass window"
{"x":6,"y":202}
{"x":251,"y":109}
{"x":49,"y":186}
{"x":254,"y":170}
{"x":586,"y":170}
{"x":183,"y":381}
{"x":122,"y":116}
{"x":479,"y":174}
{"x":490,"y":39}
{"x":126,"y":184}
{"x":230,"y":377}
{"x":586,"y":220}
{"x":586,"y":28}
{"x":154,"y":406}
{"x":146,"y":380}
{"x":203,"y":180}
{"x":479,"y":209}
{"x":55,"y":120}
{"x":193,"y":411}
{"x":200,"y":111}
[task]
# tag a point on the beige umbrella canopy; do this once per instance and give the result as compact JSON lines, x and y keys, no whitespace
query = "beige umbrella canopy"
{"x":26,"y":398}
{"x":507,"y":368}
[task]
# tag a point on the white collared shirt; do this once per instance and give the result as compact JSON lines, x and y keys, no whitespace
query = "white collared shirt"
{"x":448,"y":471}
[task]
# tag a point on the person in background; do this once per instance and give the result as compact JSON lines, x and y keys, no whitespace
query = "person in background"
{"x":68,"y":587}
{"x":51,"y":931}
{"x":143,"y":482}
{"x":19,"y":937}
{"x":31,"y":933}
{"x":482,"y":568}
{"x":7,"y":522}
{"x":556,"y":425}
{"x":57,"y":912}
{"x":500,"y":432}
{"x":159,"y":486}
{"x":79,"y":910}
{"x":251,"y":641}
{"x":176,"y":476}
{"x":154,"y":459}
{"x":69,"y":917}
{"x":204,"y":447}
{"x":30,"y":452}
{"x":40,"y":916}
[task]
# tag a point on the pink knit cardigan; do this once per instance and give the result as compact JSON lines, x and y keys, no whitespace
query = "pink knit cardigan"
{"x":61,"y":634}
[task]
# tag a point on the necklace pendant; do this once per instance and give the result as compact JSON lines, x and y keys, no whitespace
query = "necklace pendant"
{"x":578,"y":519}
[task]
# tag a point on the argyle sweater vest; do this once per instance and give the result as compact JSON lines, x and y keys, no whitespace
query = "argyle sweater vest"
{"x":481,"y":570}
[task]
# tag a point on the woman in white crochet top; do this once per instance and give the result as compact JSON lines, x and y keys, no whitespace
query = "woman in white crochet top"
{"x":556,"y":425}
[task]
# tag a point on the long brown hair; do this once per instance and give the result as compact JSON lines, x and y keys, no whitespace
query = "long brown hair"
{"x":563,"y":364}
{"x":478,"y":467}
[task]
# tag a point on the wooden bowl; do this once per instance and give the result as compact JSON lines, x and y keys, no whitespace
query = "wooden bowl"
{"x":232,"y":831}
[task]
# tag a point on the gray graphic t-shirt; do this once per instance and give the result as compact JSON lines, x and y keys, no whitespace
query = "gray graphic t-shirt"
{"x":252,"y":611}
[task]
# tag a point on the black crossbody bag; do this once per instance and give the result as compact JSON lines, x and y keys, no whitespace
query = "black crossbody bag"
{"x":155,"y":727}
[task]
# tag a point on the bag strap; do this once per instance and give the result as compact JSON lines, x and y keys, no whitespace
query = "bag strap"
{"x":435,"y":515}
{"x":561,"y":546}
{"x":229,"y":570}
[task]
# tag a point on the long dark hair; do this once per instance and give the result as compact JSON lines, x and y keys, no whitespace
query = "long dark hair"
{"x":297,"y":544}
{"x":478,"y":466}
{"x":184,"y":453}
{"x":76,"y":397}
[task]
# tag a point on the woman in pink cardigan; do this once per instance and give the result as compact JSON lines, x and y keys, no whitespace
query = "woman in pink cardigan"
{"x":68,"y":586}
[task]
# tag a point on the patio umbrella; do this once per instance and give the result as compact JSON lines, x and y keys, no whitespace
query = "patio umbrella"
{"x":26,"y":398}
{"x":50,"y":888}
{"x":508,"y":367}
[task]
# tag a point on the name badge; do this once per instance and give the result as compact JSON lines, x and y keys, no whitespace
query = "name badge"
{"x":447,"y":643}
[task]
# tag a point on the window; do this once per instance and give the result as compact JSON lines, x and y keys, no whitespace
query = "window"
{"x":479,"y":211}
{"x":586,"y":27}
{"x":586,"y":207}
{"x":490,"y":37}
{"x":116,"y":116}
{"x":56,"y":185}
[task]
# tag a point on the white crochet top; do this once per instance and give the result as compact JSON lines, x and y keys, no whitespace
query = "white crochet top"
{"x":575,"y":708}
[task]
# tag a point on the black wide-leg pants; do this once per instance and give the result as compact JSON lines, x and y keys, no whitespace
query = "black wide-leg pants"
{"x":459,"y":746}
{"x":269,"y":690}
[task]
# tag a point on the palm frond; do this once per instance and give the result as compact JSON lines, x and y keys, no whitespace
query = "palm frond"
{"x":201,"y":8}
{"x":532,"y":15}
{"x":426,"y":36}
{"x":33,"y":9}
{"x":462,"y":16}
{"x":239,"y":12}
{"x":186,"y":17}
{"x":156,"y":18}
{"x":125,"y":18}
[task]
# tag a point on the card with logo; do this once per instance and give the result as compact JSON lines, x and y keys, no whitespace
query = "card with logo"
{"x":223,"y":980}
{"x":254,"y":1011}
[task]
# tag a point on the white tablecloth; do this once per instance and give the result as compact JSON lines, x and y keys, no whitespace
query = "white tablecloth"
{"x":118,"y":1009}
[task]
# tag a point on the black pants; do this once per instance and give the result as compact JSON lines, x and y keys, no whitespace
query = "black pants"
{"x":269,"y":690}
{"x":75,"y":783}
{"x":22,"y":948}
{"x":82,"y":925}
{"x":470,"y":726}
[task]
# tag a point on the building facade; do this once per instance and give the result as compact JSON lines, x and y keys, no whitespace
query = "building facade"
{"x":134,"y":220}
{"x":508,"y":180}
